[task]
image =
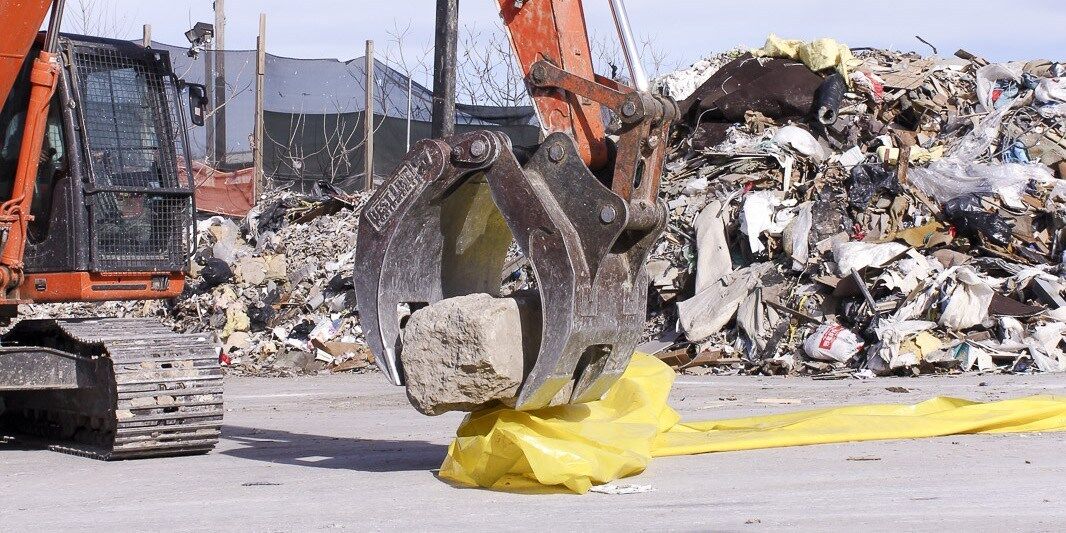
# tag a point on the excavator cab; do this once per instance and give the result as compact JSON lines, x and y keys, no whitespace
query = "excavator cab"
{"x":113,"y":201}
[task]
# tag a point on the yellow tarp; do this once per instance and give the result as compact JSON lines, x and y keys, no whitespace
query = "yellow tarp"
{"x":577,"y":446}
{"x":818,"y":55}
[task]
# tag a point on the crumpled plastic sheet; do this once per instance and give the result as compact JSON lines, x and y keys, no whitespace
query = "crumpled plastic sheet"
{"x":574,"y":447}
{"x":948,"y":179}
{"x":818,"y":55}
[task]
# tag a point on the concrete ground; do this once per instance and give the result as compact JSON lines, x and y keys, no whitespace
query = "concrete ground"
{"x":347,"y":452}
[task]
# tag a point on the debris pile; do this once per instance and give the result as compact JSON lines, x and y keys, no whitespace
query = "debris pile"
{"x":275,"y":288}
{"x":870,"y":214}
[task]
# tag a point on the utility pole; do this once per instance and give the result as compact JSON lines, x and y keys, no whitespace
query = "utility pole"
{"x":146,"y":36}
{"x":368,"y":116}
{"x":258,"y":179}
{"x":444,"y":52}
{"x":209,"y":122}
{"x":220,"y":81}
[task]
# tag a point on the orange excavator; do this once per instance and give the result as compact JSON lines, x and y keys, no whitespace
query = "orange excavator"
{"x":97,"y":205}
{"x":582,"y":206}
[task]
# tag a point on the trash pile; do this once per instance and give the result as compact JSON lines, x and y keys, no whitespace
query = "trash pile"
{"x":278,"y":289}
{"x":873,"y":213}
{"x":275,"y":288}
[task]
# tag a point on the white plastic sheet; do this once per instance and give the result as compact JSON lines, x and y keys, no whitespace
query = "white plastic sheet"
{"x":757,"y":216}
{"x":947,"y":179}
{"x":857,"y":255}
{"x":967,"y":303}
{"x":801,"y":141}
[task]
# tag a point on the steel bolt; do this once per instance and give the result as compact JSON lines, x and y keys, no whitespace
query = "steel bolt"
{"x":629,"y":109}
{"x":555,"y":153}
{"x":478,"y":148}
{"x":607,"y":214}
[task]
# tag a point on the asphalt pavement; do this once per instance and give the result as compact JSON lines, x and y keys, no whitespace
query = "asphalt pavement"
{"x":347,"y":452}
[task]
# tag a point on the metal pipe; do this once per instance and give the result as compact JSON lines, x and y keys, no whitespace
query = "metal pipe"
{"x":52,"y":38}
{"x":629,"y":46}
{"x":368,"y":117}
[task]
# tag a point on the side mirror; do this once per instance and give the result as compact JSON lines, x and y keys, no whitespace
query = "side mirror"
{"x":197,"y":102}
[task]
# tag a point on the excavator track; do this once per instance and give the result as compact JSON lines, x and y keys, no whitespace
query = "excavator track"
{"x":156,"y":393}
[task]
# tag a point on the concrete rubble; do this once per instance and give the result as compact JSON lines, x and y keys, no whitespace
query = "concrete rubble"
{"x":463,"y":353}
{"x":830,"y":213}
{"x":275,"y":288}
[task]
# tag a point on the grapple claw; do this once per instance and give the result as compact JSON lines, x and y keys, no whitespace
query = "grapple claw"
{"x":441,"y":225}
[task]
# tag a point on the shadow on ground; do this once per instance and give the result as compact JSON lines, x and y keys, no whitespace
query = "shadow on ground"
{"x":318,"y":451}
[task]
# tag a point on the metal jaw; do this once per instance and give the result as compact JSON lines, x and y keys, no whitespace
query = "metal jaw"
{"x":441,"y":225}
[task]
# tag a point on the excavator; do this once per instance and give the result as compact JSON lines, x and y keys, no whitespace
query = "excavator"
{"x":96,"y":204}
{"x":582,"y":207}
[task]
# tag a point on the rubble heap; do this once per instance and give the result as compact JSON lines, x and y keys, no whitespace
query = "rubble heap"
{"x":884,"y":213}
{"x":275,"y":288}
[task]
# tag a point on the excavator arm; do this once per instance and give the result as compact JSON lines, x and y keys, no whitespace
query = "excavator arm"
{"x":22,"y":20}
{"x":583,"y":209}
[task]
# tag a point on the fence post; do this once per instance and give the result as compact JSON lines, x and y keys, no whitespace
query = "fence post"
{"x":260,"y":87}
{"x":410,"y":96}
{"x":219,"y":83}
{"x":368,"y":115}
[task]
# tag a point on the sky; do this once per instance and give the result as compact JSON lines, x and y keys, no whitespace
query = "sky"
{"x":684,"y":29}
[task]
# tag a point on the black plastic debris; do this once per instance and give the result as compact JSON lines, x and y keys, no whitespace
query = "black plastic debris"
{"x":215,"y":273}
{"x":867,"y":180}
{"x":261,"y":317}
{"x":971,"y":219}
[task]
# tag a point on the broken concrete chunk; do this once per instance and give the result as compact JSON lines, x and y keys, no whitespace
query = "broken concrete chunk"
{"x":251,"y":270}
{"x":467,"y":352}
{"x":276,"y":267}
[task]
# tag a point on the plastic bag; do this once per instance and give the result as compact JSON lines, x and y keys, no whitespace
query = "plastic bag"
{"x":867,"y":180}
{"x":573,"y":447}
{"x":801,"y":141}
{"x":832,"y":342}
{"x":971,"y":219}
{"x":989,"y":75}
{"x":1051,"y":94}
{"x":215,"y":273}
{"x":757,"y":216}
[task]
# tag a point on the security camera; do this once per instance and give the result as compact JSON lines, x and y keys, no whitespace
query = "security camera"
{"x":199,"y":37}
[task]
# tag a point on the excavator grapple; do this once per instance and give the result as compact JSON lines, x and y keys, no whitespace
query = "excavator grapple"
{"x":582,"y":208}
